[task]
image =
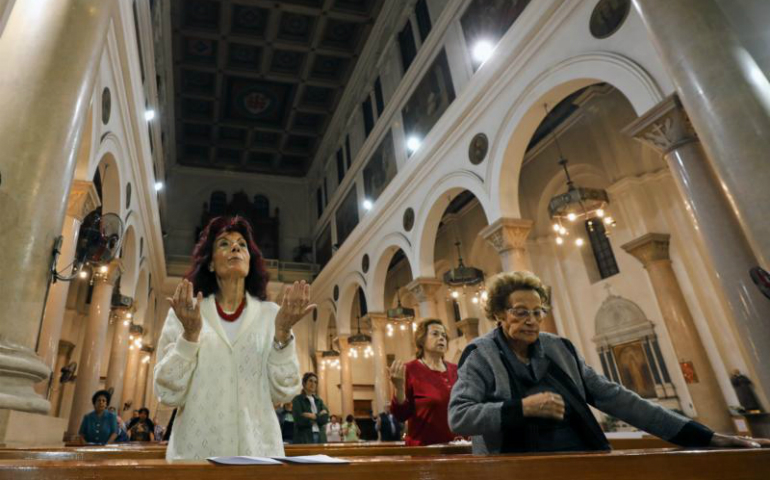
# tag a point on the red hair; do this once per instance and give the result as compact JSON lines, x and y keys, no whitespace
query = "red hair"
{"x":204,"y":280}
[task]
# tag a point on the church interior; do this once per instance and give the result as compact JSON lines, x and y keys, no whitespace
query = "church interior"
{"x":397,"y":156}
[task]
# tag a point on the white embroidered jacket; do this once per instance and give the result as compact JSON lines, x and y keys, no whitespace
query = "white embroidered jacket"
{"x":225,"y":391}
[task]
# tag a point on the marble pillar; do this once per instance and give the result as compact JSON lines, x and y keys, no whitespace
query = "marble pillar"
{"x":63,"y":354}
{"x":381,"y":381}
{"x":90,"y":364}
{"x":116,"y":369}
{"x":83,"y":199}
{"x":667,"y":129}
{"x":321,"y":370}
{"x":132,"y":369}
{"x":141,"y":377}
{"x":470,"y":328}
{"x":346,"y":377}
{"x":509,"y":238}
{"x":708,"y":401}
{"x":727,"y":96}
{"x":53,"y":47}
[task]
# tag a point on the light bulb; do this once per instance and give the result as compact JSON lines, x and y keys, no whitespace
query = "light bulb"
{"x":402,"y":327}
{"x":413,"y":144}
{"x":559,"y":240}
{"x":482,"y":51}
{"x":475,"y":300}
{"x":556,"y":227}
{"x":484,"y":296}
{"x":367,"y":204}
{"x":126,"y":322}
{"x":104,"y":268}
{"x":83,"y":274}
{"x":607,"y":220}
{"x":159,"y":186}
{"x":600,"y":213}
{"x":131,"y":338}
{"x":414,"y":327}
{"x":571,"y":217}
{"x":455,"y":294}
{"x":562,"y":231}
{"x":579,"y":242}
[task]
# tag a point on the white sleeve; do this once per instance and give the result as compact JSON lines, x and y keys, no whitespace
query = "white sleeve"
{"x":178,"y":359}
{"x":282,"y":365}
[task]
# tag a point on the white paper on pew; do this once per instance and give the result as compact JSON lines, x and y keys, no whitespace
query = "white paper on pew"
{"x":311,"y":459}
{"x":243,"y":460}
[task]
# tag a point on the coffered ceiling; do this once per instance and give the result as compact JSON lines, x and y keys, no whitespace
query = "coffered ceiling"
{"x":256,"y":82}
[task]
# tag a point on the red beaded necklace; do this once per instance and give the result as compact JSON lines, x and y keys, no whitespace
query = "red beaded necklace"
{"x":230,"y":317}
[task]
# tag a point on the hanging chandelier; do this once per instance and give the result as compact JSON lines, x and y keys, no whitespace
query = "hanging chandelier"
{"x":577,"y":203}
{"x":402,"y":317}
{"x":360,"y":343}
{"x":463,"y":279}
{"x":331,"y":357}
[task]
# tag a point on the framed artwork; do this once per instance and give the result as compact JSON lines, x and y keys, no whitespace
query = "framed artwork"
{"x":634,"y":369}
{"x":381,"y":169}
{"x":347,"y":216}
{"x":430,"y":99}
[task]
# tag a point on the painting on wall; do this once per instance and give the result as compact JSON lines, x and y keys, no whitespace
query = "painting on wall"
{"x":347,"y":216}
{"x":323,"y":246}
{"x":634,"y":369}
{"x":488,"y":20}
{"x":381,"y":169}
{"x":430,"y":99}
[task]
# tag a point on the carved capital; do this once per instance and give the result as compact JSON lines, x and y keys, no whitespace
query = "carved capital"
{"x":470,"y":327}
{"x":424,"y":289}
{"x":665,"y":127}
{"x":83,"y":199}
{"x":507,"y":234}
{"x":649,"y":248}
{"x":111,"y":273}
{"x":378,"y":320}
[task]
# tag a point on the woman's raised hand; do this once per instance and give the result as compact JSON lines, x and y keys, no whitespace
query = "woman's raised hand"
{"x":294,"y":306}
{"x":397,"y":372}
{"x":188,"y":310}
{"x":543,"y":405}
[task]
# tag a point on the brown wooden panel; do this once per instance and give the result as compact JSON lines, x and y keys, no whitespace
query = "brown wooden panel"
{"x":628,"y":464}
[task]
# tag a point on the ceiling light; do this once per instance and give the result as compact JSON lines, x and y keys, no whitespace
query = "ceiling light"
{"x":158,"y":186}
{"x":559,"y":240}
{"x":104,"y":268}
{"x":83,"y":274}
{"x":482,"y":51}
{"x":579,"y":242}
{"x":412,"y":144}
{"x":149,"y":115}
{"x":367,"y":204}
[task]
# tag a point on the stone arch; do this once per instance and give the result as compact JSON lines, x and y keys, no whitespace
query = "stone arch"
{"x":551,"y":86}
{"x":112,"y":184}
{"x":327,"y":314}
{"x":383,"y":255}
{"x":86,"y":147}
{"x":442,"y":193}
{"x":348,"y":288}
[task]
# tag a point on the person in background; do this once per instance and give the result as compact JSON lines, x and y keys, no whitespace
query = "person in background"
{"x":100,"y":426}
{"x":423,"y":386}
{"x":388,"y":426}
{"x":122,"y":431}
{"x":143,"y":430}
{"x":334,"y":430}
{"x":159,"y":430}
{"x":350,"y":430}
{"x":286,"y":420}
{"x":521,"y":390}
{"x":134,"y":419}
{"x":310,"y":413}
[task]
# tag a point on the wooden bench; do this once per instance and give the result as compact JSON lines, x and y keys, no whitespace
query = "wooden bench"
{"x":626,"y":464}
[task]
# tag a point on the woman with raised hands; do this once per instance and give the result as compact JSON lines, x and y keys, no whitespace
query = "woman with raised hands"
{"x":226,"y":354}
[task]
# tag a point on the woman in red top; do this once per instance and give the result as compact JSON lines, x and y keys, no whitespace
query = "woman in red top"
{"x":422,"y":387}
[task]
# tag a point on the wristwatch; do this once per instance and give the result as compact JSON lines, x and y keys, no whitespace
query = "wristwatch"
{"x":281,"y":345}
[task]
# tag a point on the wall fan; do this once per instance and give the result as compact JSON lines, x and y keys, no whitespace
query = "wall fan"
{"x":99,"y":242}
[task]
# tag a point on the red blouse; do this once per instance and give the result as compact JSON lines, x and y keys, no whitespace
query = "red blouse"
{"x":426,"y":406}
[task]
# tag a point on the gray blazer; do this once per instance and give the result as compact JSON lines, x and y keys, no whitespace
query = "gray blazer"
{"x":483,"y":404}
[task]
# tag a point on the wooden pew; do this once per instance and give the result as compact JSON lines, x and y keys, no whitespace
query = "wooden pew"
{"x":627,"y":464}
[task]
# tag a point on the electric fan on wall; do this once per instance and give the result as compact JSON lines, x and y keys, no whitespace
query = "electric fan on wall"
{"x":99,"y":242}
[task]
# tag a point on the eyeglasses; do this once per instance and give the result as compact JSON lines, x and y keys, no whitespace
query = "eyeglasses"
{"x":522,"y":314}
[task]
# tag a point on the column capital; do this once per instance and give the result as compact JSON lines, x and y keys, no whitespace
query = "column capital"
{"x":424,"y":288}
{"x":665,"y":127}
{"x":114,"y":270}
{"x":83,"y":199}
{"x":378,"y":320}
{"x":470,"y":327}
{"x":507,"y":234}
{"x":649,"y":248}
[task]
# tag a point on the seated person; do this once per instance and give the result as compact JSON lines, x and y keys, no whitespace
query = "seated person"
{"x":100,"y":426}
{"x":519,"y":390}
{"x":143,"y":430}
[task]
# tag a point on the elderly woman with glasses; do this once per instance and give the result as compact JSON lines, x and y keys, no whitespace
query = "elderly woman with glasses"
{"x":520,"y":390}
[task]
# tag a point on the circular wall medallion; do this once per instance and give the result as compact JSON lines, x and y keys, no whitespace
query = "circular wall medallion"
{"x":365,"y":263}
{"x":336,"y":293}
{"x":128,"y":196}
{"x":408,"y":219}
{"x":106,"y":105}
{"x":608,"y":16}
{"x":478,"y":148}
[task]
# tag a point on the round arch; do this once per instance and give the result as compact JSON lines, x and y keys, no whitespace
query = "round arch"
{"x":348,"y":288}
{"x":550,"y":87}
{"x":383,"y":255}
{"x":327,"y":314}
{"x":442,"y":193}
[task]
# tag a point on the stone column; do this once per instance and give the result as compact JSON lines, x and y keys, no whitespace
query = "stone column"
{"x":57,"y":389}
{"x":132,"y":368}
{"x":470,"y":328}
{"x":726,"y":95}
{"x":424,"y":289}
{"x":118,"y":354}
{"x":89,"y":366}
{"x":709,"y":402}
{"x":346,"y":377}
{"x":83,"y":200}
{"x":667,"y":129}
{"x":141,"y":377}
{"x":509,"y":237}
{"x":321,"y":372}
{"x":50,"y":50}
{"x":381,"y":381}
